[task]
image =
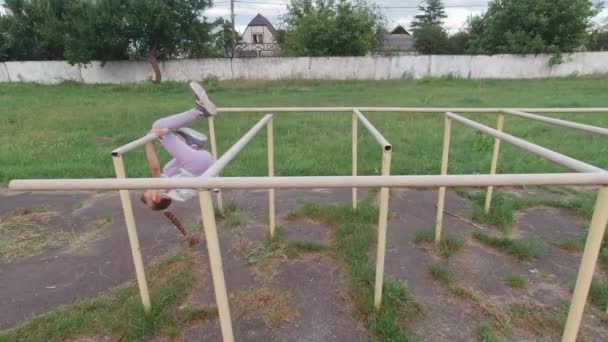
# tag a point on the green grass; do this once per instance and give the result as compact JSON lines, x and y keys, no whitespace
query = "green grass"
{"x":424,"y":235}
{"x":598,"y":293}
{"x":353,"y":237}
{"x":571,"y":244}
{"x":441,"y":274}
{"x":448,"y":245}
{"x":516,"y":280}
{"x":504,"y":205}
{"x":67,"y":130}
{"x":539,"y":319}
{"x":119,"y":313}
{"x":523,"y":249}
{"x":485,"y":333}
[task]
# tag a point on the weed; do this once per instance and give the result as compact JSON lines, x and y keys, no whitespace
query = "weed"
{"x":571,"y":244}
{"x":598,"y":293}
{"x":449,"y":245}
{"x":424,"y":235}
{"x":441,"y":274}
{"x":485,"y":333}
{"x":516,"y":280}
{"x":523,"y":249}
{"x":273,"y":305}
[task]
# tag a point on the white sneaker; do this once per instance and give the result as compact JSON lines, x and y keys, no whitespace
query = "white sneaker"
{"x":192,"y":137}
{"x":201,"y":101}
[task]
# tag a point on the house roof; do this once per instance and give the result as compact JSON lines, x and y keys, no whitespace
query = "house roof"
{"x":260,"y":20}
{"x":399,"y":30}
{"x":399,"y":42}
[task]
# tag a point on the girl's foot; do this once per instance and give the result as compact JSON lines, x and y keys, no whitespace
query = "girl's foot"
{"x":201,"y":101}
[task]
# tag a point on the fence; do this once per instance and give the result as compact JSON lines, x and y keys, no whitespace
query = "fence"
{"x":587,"y":175}
{"x":335,"y":68}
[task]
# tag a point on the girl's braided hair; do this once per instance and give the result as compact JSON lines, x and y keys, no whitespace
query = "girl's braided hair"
{"x":175,"y":222}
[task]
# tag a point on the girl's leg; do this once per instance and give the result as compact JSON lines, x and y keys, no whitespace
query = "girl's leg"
{"x":177,"y":120}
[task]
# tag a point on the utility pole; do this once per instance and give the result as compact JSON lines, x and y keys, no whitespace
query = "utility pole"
{"x":233,"y":29}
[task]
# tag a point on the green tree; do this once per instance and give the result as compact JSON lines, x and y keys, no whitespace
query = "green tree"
{"x":534,"y":26}
{"x":34,"y":31}
{"x":162,"y":29}
{"x":95,"y":31}
{"x":330,"y":28}
{"x":431,"y":38}
{"x":433,"y":12}
{"x":598,"y":39}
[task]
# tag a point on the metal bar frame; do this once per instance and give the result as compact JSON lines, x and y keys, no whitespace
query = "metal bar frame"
{"x":218,"y":195}
{"x":588,"y":175}
{"x":387,"y":150}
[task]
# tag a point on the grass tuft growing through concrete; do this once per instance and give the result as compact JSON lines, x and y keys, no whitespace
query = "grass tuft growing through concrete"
{"x":522,"y":249}
{"x":273,"y":305}
{"x":515,"y":280}
{"x":119,"y":314}
{"x":485,"y":333}
{"x":25,"y":232}
{"x":353,"y":237}
{"x":447,"y":246}
{"x":598,"y":293}
{"x":505,"y":204}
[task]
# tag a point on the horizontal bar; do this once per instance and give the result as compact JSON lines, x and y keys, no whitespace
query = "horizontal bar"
{"x":134,"y":144}
{"x":405,"y":109}
{"x":565,"y":123}
{"x":234,"y":150}
{"x":374,"y":132}
{"x":543,"y":152}
{"x":310,"y":182}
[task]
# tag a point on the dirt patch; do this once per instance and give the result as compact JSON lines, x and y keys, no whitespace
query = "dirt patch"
{"x":306,"y":230}
{"x":541,"y":193}
{"x":550,"y":223}
{"x":323,"y":315}
{"x":27,"y":232}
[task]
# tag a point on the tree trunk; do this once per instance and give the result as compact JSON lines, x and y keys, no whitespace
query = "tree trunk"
{"x":154,"y":62}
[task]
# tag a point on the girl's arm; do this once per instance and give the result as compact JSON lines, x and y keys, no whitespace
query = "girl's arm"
{"x":153,"y":163}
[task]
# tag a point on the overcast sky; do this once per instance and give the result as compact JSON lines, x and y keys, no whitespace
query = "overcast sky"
{"x":396,"y":11}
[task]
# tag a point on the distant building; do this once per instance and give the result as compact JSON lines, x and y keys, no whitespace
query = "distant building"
{"x":259,"y":39}
{"x":399,"y":40}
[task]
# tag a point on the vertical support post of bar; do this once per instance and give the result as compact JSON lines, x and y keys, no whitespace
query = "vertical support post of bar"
{"x":444,"y":171}
{"x":127,"y":209}
{"x":215,"y":260}
{"x":220,"y":204}
{"x":354,"y":157}
{"x":588,"y":261}
{"x":271,"y":217}
{"x":499,"y":126}
{"x":382,"y":222}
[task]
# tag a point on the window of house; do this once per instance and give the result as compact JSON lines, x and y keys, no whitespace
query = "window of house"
{"x":258,"y":38}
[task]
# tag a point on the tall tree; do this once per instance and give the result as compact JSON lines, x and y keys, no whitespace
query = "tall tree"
{"x":534,"y":26}
{"x":95,"y":31}
{"x":162,"y":29}
{"x":433,"y":12}
{"x":34,"y":31}
{"x":331,"y":28}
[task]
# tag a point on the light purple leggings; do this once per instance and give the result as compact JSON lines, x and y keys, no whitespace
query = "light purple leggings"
{"x":185,"y":157}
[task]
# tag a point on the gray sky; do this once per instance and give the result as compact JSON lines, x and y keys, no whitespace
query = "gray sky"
{"x":396,"y":11}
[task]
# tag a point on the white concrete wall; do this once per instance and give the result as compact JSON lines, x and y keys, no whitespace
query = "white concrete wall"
{"x":42,"y":71}
{"x":338,"y":68}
